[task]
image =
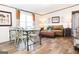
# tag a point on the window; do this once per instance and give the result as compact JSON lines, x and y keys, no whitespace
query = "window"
{"x":26,"y":20}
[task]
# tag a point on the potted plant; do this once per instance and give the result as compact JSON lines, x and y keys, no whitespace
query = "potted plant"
{"x":49,"y":28}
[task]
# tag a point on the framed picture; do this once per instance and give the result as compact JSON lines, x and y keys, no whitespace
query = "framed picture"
{"x":56,"y":19}
{"x":5,"y":18}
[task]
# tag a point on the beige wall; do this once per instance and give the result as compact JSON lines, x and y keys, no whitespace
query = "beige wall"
{"x":38,"y":20}
{"x":65,"y":17}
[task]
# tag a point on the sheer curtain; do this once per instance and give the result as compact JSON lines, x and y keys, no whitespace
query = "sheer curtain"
{"x":26,"y":20}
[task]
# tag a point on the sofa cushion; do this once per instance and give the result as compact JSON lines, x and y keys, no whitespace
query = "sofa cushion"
{"x":47,"y":34}
{"x":57,"y":31}
{"x":57,"y":27}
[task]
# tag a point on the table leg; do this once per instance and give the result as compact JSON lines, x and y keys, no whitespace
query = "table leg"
{"x":27,"y":42}
{"x":10,"y":35}
{"x":40,"y":40}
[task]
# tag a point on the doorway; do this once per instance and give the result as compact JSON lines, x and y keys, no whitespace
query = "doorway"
{"x":75,"y":22}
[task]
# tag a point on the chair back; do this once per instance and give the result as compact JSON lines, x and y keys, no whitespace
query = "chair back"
{"x":15,"y":32}
{"x":35,"y":32}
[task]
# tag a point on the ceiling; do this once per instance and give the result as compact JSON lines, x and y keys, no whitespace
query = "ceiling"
{"x":41,"y":8}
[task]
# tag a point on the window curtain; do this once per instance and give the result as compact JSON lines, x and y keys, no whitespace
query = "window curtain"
{"x":33,"y":17}
{"x":17,"y":17}
{"x":18,"y":14}
{"x":34,"y":23}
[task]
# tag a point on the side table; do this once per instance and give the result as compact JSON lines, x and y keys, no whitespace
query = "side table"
{"x":67,"y":32}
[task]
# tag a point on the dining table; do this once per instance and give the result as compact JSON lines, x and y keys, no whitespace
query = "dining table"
{"x":27,"y":31}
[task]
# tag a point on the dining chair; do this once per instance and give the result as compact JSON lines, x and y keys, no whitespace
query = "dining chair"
{"x":34,"y":37}
{"x":17,"y":34}
{"x":12,"y":34}
{"x":21,"y":39}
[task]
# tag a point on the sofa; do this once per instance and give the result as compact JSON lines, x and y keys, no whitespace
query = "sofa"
{"x":45,"y":33}
{"x":56,"y":30}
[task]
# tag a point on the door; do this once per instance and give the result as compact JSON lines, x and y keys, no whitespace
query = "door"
{"x":75,"y":22}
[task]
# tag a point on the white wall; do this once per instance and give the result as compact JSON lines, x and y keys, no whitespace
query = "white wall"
{"x":4,"y":30}
{"x":65,"y":16}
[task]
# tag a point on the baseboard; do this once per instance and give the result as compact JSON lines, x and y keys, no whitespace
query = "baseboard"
{"x":5,"y":42}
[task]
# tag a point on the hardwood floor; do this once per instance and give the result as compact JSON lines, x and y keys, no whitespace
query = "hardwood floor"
{"x":59,"y":45}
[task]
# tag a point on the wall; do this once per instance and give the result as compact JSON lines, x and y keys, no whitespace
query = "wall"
{"x":38,"y":21}
{"x":65,"y":17}
{"x":4,"y":30}
{"x":41,"y":21}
